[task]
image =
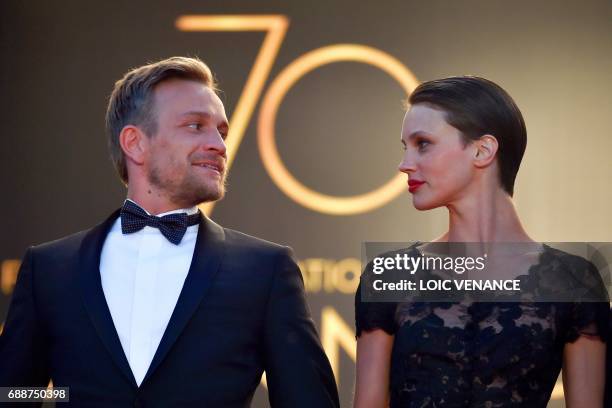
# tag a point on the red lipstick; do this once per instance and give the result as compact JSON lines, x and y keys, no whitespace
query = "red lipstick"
{"x":413,"y":185}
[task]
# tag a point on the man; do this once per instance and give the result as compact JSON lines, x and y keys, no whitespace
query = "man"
{"x":159,"y":306}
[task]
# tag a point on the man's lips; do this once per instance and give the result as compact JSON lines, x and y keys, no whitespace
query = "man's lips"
{"x":211,"y":165}
{"x":413,"y":185}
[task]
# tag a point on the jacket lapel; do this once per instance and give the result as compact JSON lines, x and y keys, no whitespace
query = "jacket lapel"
{"x":207,"y":256}
{"x":93,"y":295}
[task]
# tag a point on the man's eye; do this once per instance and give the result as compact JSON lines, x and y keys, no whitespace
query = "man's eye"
{"x":196,"y":126}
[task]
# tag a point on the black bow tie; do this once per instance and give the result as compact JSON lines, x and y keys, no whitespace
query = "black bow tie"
{"x":172,"y":226}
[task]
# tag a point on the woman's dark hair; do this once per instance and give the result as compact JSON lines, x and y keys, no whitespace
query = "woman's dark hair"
{"x":476,"y":106}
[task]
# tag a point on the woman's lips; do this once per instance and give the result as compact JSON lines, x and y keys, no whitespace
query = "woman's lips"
{"x":413,"y":185}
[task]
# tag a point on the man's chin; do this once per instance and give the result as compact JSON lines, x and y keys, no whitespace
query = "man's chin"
{"x":210,"y":195}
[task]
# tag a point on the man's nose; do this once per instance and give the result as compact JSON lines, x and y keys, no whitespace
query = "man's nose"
{"x":216,"y":143}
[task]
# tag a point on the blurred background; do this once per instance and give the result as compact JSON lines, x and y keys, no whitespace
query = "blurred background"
{"x":336,"y":128}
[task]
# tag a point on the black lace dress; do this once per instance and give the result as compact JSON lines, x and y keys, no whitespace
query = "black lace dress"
{"x":481,"y":354}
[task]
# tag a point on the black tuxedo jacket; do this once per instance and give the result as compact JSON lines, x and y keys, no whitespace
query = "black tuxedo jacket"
{"x":241,"y":311}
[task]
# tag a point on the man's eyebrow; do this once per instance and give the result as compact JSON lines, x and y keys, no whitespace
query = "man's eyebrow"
{"x":203,"y":114}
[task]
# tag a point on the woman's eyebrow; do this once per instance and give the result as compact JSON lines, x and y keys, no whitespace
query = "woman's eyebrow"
{"x":416,"y":134}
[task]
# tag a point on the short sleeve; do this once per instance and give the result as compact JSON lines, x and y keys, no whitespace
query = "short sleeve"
{"x":373,"y":315}
{"x":589,"y":313}
{"x":591,"y":319}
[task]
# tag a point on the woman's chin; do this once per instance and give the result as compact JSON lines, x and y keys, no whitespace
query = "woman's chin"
{"x":424,"y":205}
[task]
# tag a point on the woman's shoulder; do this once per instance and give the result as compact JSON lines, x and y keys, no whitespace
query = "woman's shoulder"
{"x":572,"y":275}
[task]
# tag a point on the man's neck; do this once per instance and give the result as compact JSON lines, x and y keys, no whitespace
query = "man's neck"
{"x":154,"y":203}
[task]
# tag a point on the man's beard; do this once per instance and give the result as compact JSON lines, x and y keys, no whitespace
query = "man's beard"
{"x":190,"y":191}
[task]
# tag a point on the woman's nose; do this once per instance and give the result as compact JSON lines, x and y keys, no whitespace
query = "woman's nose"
{"x":407,"y":165}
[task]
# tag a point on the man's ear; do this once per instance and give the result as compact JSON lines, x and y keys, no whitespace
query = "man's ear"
{"x":486,"y":147}
{"x":134,"y":144}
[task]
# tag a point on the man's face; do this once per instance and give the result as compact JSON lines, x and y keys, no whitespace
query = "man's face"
{"x":186,"y":157}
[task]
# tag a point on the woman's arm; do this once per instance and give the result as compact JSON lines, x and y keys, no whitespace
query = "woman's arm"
{"x":584,"y":372}
{"x":373,"y":364}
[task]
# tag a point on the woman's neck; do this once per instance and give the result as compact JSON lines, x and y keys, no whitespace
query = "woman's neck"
{"x":484,"y":217}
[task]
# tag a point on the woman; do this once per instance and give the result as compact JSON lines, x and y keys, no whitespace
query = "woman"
{"x":464,"y":139}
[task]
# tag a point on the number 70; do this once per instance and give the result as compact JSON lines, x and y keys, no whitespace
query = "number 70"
{"x":276,"y":26}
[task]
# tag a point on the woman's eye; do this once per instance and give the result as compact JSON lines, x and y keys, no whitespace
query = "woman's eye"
{"x":421,"y":144}
{"x":195,"y":126}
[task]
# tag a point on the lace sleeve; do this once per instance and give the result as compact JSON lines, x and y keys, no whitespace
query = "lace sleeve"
{"x":371,"y":315}
{"x":589,"y":319}
{"x":589,"y":313}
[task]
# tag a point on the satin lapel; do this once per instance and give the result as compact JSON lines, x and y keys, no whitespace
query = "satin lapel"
{"x":93,"y":295}
{"x":207,"y":256}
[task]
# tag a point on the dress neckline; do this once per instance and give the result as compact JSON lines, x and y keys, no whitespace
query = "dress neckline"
{"x":541,"y":253}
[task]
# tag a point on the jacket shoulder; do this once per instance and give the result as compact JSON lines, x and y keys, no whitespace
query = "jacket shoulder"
{"x":239,"y":239}
{"x":67,"y":242}
{"x":60,"y":248}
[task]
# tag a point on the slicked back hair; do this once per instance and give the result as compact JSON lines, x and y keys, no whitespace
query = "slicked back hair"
{"x":132,"y":99}
{"x":476,"y":106}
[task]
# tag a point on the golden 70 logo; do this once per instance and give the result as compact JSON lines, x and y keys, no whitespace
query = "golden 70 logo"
{"x":276,"y":26}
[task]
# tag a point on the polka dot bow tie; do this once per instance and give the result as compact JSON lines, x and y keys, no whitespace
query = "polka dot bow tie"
{"x":172,"y":226}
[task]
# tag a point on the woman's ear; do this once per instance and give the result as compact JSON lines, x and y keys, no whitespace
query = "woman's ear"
{"x":486,"y":147}
{"x":134,"y":144}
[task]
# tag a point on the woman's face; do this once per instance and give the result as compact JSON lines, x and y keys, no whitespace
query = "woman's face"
{"x":439,"y":166}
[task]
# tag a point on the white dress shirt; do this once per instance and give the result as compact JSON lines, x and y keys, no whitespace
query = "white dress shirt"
{"x":142,"y":276}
